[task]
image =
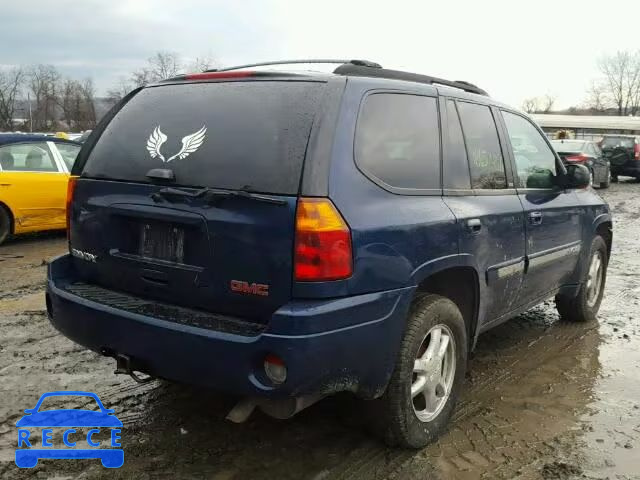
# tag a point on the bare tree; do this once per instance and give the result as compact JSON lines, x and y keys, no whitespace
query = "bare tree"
{"x":597,"y":99}
{"x":201,"y":64}
{"x":531,"y":105}
{"x":160,"y":66}
{"x":547,"y":103}
{"x":88,"y":92}
{"x":119,"y":91}
{"x":43,"y":85}
{"x":10,"y":84}
{"x":77,"y":101}
{"x":621,"y":73}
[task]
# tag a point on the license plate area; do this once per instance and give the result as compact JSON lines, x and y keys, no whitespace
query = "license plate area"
{"x":161,"y":241}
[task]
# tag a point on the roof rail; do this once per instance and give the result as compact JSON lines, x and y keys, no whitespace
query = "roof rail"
{"x":362,"y":63}
{"x":350,"y":68}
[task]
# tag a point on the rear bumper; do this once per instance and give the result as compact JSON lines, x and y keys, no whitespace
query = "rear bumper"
{"x":346,"y":344}
{"x":629,"y":169}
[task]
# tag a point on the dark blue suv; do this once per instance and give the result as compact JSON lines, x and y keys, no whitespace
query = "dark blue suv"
{"x":284,"y":236}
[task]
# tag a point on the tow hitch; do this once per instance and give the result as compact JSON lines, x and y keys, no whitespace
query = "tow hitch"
{"x":123,"y":366}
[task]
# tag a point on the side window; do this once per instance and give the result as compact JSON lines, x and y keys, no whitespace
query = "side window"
{"x":398,"y":140}
{"x":68,"y":152}
{"x":486,"y":162}
{"x":455,"y":166}
{"x":535,"y":161}
{"x":27,"y":157}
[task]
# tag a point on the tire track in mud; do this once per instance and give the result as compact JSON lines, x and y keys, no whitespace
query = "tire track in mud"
{"x":376,"y":461}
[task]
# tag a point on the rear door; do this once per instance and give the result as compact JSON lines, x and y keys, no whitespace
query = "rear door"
{"x":553,"y":227}
{"x":227,"y":249}
{"x":600,"y":164}
{"x":479,"y":191}
{"x":34,"y":185}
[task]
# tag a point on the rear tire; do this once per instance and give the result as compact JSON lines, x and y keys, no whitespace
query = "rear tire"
{"x":435,"y":376}
{"x":5,"y":225}
{"x":614,"y":178}
{"x":584,"y":306}
{"x":607,"y":182}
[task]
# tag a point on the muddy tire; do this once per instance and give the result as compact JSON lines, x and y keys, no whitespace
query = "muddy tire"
{"x":5,"y":225}
{"x":428,"y":375}
{"x":584,"y":306}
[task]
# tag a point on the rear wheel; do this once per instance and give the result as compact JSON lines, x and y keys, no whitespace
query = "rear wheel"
{"x":607,"y":182}
{"x":5,"y":225}
{"x":584,"y":306}
{"x":614,"y":178}
{"x":428,"y":375}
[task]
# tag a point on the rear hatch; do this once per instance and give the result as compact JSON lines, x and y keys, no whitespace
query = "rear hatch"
{"x":219,"y":237}
{"x":618,"y":150}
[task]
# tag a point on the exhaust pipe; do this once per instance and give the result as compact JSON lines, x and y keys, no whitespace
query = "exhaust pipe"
{"x":280,"y":408}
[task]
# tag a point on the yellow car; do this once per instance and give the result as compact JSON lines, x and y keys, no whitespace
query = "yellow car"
{"x":34,"y":170}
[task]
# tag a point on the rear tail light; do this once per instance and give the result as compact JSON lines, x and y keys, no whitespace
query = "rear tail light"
{"x":323,"y":242}
{"x":636,"y":149}
{"x":71,"y":188}
{"x":576,"y":158}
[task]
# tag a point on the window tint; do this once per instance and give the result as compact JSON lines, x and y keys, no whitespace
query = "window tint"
{"x":398,"y":140}
{"x":612,"y":142}
{"x":483,"y":147}
{"x":69,"y":152}
{"x":231,"y":135}
{"x":27,"y":157}
{"x":535,"y":162}
{"x":456,"y":167}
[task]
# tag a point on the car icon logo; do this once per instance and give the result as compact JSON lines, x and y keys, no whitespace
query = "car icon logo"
{"x":66,"y":423}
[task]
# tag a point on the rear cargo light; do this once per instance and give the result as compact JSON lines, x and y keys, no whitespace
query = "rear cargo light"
{"x":323,"y":242}
{"x":577,"y":158}
{"x":71,"y":188}
{"x":636,"y":149}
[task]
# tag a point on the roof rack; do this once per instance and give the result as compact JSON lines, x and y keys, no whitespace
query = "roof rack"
{"x":366,"y":68}
{"x":362,"y":63}
{"x":349,"y":68}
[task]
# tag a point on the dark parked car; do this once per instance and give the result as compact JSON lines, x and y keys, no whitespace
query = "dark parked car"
{"x":287,"y":236}
{"x":586,"y":153}
{"x":623,"y":152}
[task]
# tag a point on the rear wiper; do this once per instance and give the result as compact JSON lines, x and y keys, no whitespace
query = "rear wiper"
{"x":211,"y":193}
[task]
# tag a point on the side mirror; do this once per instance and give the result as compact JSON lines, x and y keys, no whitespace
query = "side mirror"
{"x":577,"y":176}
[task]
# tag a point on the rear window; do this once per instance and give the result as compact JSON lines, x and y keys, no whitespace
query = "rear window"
{"x":236,"y":135}
{"x":568,"y":146}
{"x":612,"y":142}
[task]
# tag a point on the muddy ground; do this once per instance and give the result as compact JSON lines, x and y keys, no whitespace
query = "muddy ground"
{"x":543,"y":399}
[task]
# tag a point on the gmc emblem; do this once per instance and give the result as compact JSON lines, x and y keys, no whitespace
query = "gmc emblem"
{"x":250,"y":288}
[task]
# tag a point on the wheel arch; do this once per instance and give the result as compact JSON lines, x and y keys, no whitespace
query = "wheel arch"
{"x":603,"y":226}
{"x":453,"y":282}
{"x":12,"y":220}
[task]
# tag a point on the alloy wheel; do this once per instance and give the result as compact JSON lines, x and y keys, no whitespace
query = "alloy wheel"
{"x":433,"y":373}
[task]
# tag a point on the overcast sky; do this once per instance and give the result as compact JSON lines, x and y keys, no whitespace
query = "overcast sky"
{"x":513,"y":49}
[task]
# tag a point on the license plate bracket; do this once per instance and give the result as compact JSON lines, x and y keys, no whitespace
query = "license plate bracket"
{"x":161,"y":241}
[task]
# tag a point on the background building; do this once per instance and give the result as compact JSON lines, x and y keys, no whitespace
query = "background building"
{"x":587,"y":127}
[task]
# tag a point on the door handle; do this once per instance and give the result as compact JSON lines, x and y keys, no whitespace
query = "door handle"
{"x":474,"y":225}
{"x":535,"y":218}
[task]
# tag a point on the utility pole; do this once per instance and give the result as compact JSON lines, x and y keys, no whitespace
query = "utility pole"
{"x":30,"y":114}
